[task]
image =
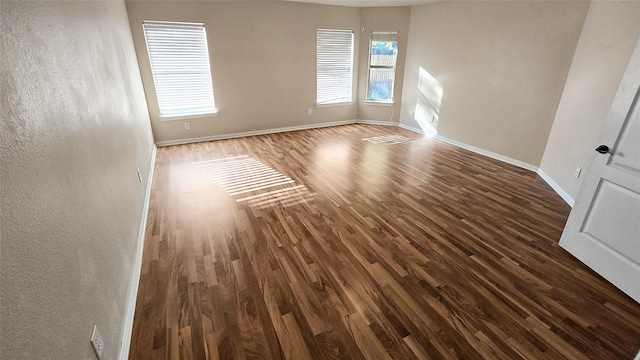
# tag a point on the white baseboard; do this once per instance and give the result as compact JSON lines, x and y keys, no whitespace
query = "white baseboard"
{"x":474,"y":149}
{"x":563,"y":194}
{"x":137,"y":266}
{"x":377,"y":122}
{"x":252,"y":133}
{"x":411,"y":128}
{"x":488,"y":153}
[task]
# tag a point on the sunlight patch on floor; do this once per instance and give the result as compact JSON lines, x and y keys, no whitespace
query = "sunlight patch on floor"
{"x":388,"y":139}
{"x":284,"y":197}
{"x":244,"y":175}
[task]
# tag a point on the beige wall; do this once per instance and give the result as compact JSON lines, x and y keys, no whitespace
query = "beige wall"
{"x":74,"y":128}
{"x":263,"y":61}
{"x":502,"y":65}
{"x":609,"y":35}
{"x":382,"y":19}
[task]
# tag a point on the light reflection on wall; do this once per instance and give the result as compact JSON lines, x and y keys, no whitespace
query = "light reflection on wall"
{"x":430,"y":92}
{"x":260,"y":185}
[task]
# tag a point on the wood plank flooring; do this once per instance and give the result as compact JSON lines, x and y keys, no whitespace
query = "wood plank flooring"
{"x":364,"y":242}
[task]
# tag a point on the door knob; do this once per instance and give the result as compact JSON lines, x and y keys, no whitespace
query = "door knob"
{"x":603,"y":149}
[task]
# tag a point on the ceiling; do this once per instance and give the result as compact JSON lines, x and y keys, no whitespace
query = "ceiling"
{"x":367,"y":3}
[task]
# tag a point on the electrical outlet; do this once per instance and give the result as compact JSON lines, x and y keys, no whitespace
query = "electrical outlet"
{"x":411,"y":113}
{"x":432,"y":118}
{"x":96,"y":342}
{"x":139,"y":174}
{"x":577,"y":172}
{"x":187,"y":126}
{"x":309,"y":111}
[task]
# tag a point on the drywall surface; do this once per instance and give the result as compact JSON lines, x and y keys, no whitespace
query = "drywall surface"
{"x":382,"y":19}
{"x":502,"y":66}
{"x":610,"y":32}
{"x":263,"y":63}
{"x":74,"y":128}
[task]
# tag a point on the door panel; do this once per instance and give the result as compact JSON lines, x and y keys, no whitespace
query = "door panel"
{"x":614,"y":218}
{"x":603,"y":229}
{"x":627,"y":155}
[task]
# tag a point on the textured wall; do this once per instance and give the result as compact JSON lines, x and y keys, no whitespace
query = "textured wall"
{"x":74,"y":127}
{"x":502,"y":65}
{"x":608,"y":38}
{"x":263,"y":63}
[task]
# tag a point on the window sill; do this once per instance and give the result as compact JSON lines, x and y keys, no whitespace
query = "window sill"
{"x":335,"y":104}
{"x":379,"y":103}
{"x":187,"y":117}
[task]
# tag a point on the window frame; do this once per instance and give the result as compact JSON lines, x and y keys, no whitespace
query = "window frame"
{"x":368,"y":99}
{"x":208,"y":106}
{"x":351,"y":73}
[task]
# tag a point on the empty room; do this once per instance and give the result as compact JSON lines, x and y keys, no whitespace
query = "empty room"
{"x":319,"y":179}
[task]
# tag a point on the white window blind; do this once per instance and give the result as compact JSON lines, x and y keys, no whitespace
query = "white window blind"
{"x":180,"y":65}
{"x":334,"y":66}
{"x":384,"y":36}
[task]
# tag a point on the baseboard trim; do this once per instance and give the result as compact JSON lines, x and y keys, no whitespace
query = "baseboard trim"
{"x":252,"y":133}
{"x":563,"y":194}
{"x":411,"y":128}
{"x":137,"y":266}
{"x":488,"y":153}
{"x":377,"y":122}
{"x":471,"y":148}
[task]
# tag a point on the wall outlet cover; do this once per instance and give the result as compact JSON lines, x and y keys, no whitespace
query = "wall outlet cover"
{"x":96,"y":342}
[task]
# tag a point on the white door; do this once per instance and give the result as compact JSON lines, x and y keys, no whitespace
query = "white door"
{"x":603,"y":229}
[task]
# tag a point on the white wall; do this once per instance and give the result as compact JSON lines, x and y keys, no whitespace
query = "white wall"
{"x":263,"y":58}
{"x":502,"y":66}
{"x":609,"y":35}
{"x":74,"y":128}
{"x":263,"y":62}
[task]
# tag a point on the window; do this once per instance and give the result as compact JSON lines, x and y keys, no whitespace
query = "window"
{"x":180,"y":66}
{"x":334,"y":66}
{"x":382,"y":66}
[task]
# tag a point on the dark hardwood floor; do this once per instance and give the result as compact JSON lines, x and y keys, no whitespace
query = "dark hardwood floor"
{"x":364,"y":242}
